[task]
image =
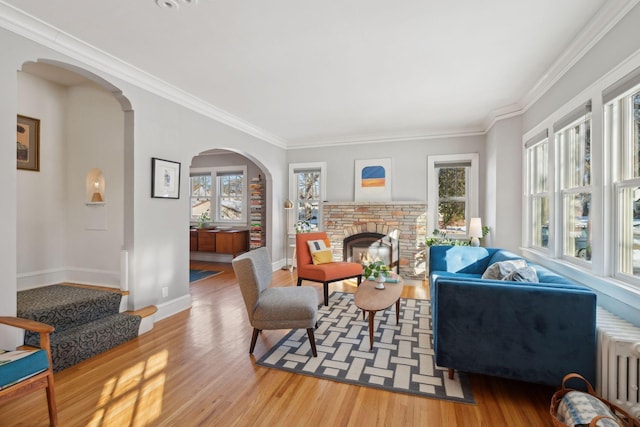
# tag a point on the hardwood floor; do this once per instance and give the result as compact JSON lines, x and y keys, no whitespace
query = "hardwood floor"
{"x":193,"y":369}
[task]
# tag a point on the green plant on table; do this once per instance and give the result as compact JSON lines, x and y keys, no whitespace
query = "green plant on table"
{"x":375,"y":269}
{"x":204,"y":218}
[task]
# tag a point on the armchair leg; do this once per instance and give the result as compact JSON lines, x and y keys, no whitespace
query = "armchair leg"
{"x":51,"y":401}
{"x":312,"y":341}
{"x":325,"y":285}
{"x":359,"y":279}
{"x":299,"y":281}
{"x":451,"y":373}
{"x":254,"y":338}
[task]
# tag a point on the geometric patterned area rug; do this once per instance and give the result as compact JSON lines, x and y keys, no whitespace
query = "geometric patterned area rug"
{"x":195,"y":275}
{"x":401,"y":360}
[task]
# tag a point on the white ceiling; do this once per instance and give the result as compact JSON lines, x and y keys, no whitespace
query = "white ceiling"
{"x":348,"y":70}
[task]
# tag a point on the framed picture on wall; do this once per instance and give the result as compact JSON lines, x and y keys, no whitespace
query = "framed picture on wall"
{"x":28,"y":138}
{"x":373,"y":180}
{"x":165,"y":179}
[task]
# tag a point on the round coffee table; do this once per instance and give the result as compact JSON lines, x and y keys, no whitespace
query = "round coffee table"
{"x":370,"y":300}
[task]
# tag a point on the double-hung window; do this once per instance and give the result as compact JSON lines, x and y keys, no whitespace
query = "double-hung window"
{"x":537,"y":189}
{"x":221,"y":193}
{"x":307,"y":191}
{"x":231,"y":195}
{"x":453,"y":190}
{"x":573,"y":142}
{"x":622,"y":133}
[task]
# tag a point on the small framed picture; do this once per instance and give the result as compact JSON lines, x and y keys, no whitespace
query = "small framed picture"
{"x":28,"y":137}
{"x":165,"y":179}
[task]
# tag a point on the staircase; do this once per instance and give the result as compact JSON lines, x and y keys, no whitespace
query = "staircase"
{"x":87,"y":321}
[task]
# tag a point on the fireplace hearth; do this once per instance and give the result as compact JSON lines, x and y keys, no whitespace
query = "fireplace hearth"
{"x":367,"y":247}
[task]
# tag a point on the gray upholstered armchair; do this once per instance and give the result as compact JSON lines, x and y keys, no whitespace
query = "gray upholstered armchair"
{"x":291,"y":307}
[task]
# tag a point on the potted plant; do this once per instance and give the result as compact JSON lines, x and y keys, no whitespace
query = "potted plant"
{"x":302,"y":226}
{"x":204,"y":219}
{"x":378,"y":270}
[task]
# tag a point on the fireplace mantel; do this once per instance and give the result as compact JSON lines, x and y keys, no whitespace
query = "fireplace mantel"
{"x":342,"y":219}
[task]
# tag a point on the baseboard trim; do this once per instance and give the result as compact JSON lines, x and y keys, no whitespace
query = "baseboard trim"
{"x":81,"y":276}
{"x":175,"y":306}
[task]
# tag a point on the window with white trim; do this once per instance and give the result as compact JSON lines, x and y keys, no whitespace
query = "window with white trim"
{"x":307,"y":190}
{"x":573,"y":142}
{"x":453,"y":191}
{"x":622,"y":133}
{"x":220,"y":191}
{"x":230,"y":196}
{"x":537,"y":190}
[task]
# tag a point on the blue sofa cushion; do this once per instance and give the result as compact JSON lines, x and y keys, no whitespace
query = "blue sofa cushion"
{"x":18,"y":365}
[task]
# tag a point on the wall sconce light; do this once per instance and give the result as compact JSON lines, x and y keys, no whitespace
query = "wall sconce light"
{"x":475,"y":231}
{"x":95,"y":185}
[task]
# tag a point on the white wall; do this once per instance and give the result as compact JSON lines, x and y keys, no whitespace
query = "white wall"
{"x":503,"y":196}
{"x":95,"y":129}
{"x":42,"y":196}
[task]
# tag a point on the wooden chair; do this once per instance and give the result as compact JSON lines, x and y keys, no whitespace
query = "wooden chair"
{"x":324,"y":273}
{"x":286,"y":307}
{"x":31,"y":372}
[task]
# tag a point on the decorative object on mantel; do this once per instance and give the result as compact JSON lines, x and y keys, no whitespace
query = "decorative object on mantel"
{"x":372,"y":180}
{"x":165,"y":179}
{"x":28,"y":143}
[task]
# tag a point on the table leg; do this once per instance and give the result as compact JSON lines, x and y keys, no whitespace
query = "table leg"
{"x":398,"y":311}
{"x":371,"y":315}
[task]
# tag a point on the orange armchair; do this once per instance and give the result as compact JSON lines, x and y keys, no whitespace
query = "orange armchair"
{"x":324,"y":273}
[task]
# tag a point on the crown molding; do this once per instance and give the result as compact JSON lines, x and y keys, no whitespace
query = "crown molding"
{"x":373,"y":139}
{"x":38,"y":31}
{"x":605,"y":19}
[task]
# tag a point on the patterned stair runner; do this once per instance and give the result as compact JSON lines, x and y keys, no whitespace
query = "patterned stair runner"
{"x":87,"y":321}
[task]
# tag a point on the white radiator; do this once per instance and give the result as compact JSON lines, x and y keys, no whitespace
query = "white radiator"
{"x":618,"y":366}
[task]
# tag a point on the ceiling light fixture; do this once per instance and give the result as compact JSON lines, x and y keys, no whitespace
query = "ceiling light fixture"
{"x":174,"y":4}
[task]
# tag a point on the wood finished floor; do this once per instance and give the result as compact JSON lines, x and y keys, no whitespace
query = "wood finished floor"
{"x":193,"y":369}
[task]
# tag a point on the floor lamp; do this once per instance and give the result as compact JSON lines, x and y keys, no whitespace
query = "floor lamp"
{"x":287,"y":207}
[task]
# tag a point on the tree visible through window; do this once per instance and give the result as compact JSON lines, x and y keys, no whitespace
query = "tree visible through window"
{"x":452,"y":199}
{"x":308,"y":196}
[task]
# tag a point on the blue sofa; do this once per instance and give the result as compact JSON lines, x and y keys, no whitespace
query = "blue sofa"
{"x":535,"y":332}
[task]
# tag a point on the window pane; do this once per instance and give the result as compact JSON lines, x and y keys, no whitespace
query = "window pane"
{"x":629,"y":231}
{"x":451,"y":217}
{"x":540,"y":218}
{"x":230,"y":188}
{"x":575,"y":144}
{"x":200,"y":195}
{"x":636,"y":134}
{"x":308,"y":194}
{"x":538,"y":167}
{"x":452,"y":199}
{"x":577,"y":226}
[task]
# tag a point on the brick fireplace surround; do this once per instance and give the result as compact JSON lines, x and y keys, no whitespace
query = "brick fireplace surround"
{"x":344,"y":219}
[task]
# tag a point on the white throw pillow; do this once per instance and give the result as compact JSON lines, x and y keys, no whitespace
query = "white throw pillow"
{"x":498,"y":270}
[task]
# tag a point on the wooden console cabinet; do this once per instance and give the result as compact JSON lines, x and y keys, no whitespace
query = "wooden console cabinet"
{"x":232,"y":242}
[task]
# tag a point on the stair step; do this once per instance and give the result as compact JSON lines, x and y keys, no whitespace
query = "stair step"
{"x":64,"y":307}
{"x":79,"y":343}
{"x":143,"y":312}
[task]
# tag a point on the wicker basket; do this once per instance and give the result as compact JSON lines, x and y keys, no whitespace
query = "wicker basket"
{"x":624,"y":419}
